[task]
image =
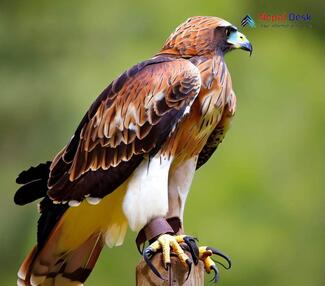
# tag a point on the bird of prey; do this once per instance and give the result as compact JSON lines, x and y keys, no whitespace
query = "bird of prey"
{"x":132,"y":158}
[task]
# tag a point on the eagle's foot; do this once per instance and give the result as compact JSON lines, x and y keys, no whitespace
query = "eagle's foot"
{"x":205,"y":255}
{"x":171,"y":244}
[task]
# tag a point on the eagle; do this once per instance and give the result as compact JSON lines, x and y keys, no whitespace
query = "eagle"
{"x":132,"y":158}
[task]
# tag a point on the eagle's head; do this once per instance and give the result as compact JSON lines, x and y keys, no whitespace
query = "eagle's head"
{"x":203,"y":35}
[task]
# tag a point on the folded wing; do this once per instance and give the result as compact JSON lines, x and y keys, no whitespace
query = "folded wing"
{"x":131,"y":119}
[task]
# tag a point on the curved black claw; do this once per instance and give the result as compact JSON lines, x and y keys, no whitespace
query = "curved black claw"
{"x":147,"y":255}
{"x":193,"y":248}
{"x":225,"y":257}
{"x":216,"y":274}
{"x":189,"y":264}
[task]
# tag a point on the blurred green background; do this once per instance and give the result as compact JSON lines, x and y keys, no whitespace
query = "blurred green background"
{"x":261,"y":197}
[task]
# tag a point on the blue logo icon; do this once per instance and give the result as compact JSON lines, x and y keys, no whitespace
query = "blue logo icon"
{"x":248,"y":21}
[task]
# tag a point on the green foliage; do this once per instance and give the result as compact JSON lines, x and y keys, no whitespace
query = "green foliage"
{"x":260,"y":199}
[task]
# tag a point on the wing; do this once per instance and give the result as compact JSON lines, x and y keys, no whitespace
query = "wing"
{"x":218,"y":134}
{"x":132,"y":118}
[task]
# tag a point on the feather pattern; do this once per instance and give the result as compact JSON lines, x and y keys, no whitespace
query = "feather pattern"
{"x":131,"y":118}
{"x":219,"y":132}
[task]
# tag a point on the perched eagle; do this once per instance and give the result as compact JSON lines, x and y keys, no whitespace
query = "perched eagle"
{"x":132,"y":158}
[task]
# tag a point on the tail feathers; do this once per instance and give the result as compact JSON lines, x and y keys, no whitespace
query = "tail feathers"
{"x":50,"y":268}
{"x":34,"y":181}
{"x":34,"y":173}
{"x":30,"y":192}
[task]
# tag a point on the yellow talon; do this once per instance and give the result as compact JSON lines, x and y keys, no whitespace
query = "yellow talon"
{"x":208,"y":263}
{"x":205,"y":254}
{"x":178,"y":251}
{"x":155,"y":246}
{"x":167,"y":243}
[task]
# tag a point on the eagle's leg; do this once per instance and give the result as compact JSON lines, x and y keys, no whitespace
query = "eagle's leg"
{"x":162,"y":236}
{"x":205,"y":255}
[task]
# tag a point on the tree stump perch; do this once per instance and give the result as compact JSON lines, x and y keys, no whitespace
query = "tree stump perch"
{"x":145,"y":276}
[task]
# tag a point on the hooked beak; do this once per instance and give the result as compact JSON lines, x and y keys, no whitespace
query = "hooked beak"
{"x":247,"y":47}
{"x":238,"y":40}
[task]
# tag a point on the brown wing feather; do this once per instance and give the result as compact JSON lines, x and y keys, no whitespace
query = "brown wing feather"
{"x":131,"y":118}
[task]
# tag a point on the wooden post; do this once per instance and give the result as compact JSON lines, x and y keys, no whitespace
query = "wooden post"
{"x":145,"y":276}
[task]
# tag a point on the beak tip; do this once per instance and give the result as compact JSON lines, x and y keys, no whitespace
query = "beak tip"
{"x":248,"y":47}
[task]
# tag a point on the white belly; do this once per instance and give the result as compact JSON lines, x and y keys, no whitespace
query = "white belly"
{"x":147,"y":192}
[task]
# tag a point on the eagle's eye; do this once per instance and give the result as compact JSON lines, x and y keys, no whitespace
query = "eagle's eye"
{"x":229,"y":30}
